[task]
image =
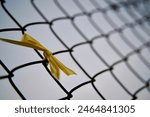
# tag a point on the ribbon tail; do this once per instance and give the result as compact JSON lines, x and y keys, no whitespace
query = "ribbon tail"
{"x":55,"y":71}
{"x":65,"y":69}
{"x":54,"y":68}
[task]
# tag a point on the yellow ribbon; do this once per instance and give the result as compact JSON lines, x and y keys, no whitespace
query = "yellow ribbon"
{"x":55,"y":64}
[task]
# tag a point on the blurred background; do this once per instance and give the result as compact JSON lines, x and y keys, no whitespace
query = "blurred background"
{"x":106,"y":42}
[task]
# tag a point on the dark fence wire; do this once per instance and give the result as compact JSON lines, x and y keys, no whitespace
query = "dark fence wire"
{"x":126,"y":4}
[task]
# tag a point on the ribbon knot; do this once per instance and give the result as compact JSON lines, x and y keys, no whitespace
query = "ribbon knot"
{"x":55,"y":64}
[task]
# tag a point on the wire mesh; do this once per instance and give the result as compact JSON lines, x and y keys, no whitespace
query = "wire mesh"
{"x":119,"y":25}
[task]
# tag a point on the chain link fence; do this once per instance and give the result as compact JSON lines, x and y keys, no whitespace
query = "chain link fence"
{"x":106,"y":42}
